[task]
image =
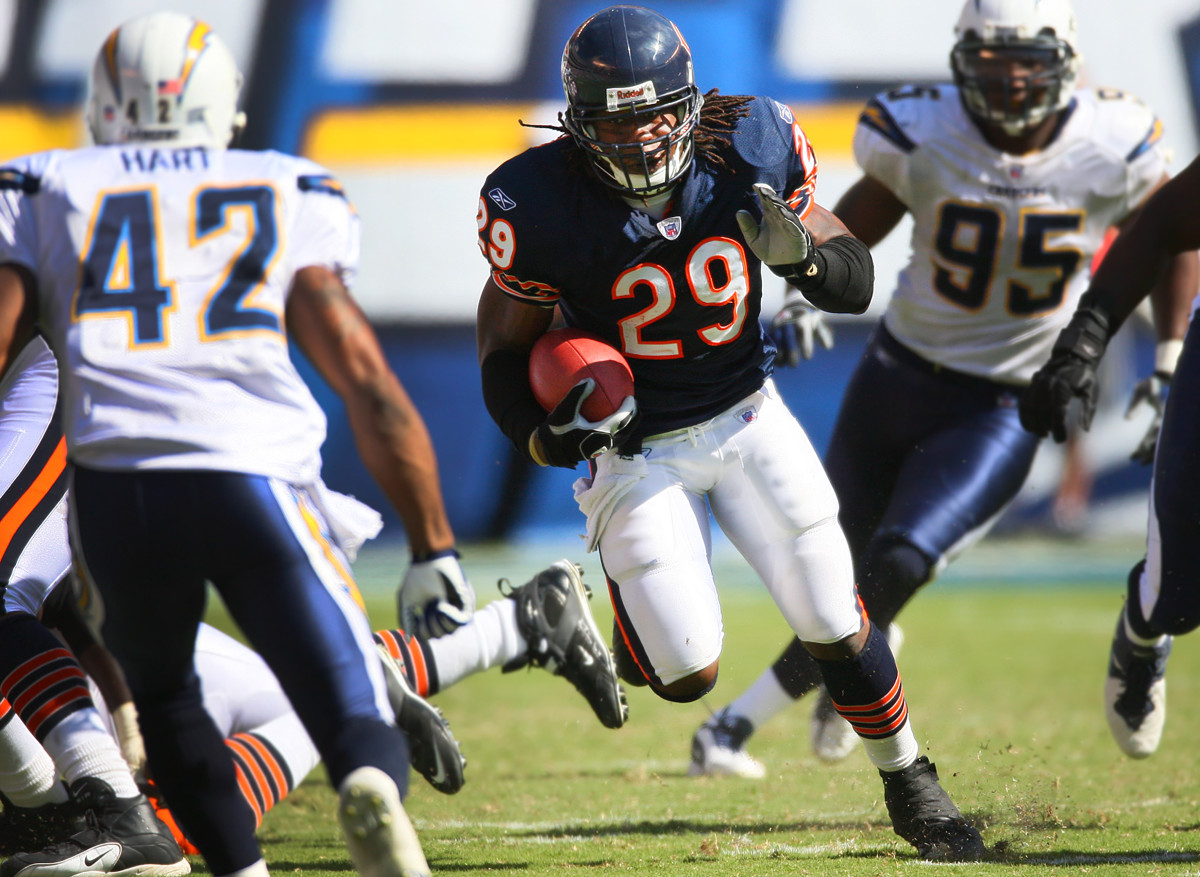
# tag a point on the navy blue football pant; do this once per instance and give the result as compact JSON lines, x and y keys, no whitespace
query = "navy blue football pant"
{"x":1172,"y":564}
{"x":149,"y":543}
{"x":923,"y":461}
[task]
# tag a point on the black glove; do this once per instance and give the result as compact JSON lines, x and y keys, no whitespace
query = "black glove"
{"x":567,"y":437}
{"x":1070,"y":373}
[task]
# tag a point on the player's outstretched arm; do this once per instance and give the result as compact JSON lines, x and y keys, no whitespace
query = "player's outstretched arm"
{"x":390,"y":434}
{"x":869,"y":210}
{"x":393,"y":441}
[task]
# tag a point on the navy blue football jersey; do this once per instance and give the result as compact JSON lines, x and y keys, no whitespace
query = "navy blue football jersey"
{"x":679,"y":297}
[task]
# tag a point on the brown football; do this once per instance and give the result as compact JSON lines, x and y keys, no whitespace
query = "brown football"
{"x":562,"y":358}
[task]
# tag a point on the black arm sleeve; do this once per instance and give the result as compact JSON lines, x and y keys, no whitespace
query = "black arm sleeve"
{"x":508,"y":397}
{"x":838,"y":278}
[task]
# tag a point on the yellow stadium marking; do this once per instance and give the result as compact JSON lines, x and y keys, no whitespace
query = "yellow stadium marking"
{"x":29,"y":130}
{"x":460,"y":132}
{"x":383,"y":135}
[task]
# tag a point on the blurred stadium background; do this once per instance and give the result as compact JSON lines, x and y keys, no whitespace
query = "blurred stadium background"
{"x":411,"y":104}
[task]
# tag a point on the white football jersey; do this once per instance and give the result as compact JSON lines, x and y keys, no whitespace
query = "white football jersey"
{"x":1002,"y":244}
{"x":162,"y":278}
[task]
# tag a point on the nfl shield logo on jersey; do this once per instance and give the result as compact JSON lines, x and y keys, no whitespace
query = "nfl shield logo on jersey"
{"x":670,"y":227}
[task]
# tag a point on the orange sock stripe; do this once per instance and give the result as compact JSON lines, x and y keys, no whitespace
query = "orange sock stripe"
{"x":871,"y":707}
{"x":271,"y":764}
{"x":416,"y":663}
{"x":253,"y":771}
{"x":249,"y":794}
{"x":42,"y":685}
{"x":407,"y":650}
{"x":18,"y":677}
{"x":880,"y":731}
{"x":6,"y":711}
{"x":391,"y":642}
{"x":75,"y":698}
{"x":880,"y":719}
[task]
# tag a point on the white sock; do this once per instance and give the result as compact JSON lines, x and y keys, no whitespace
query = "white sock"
{"x":82,"y":747}
{"x":258,"y":869}
{"x":762,"y":701}
{"x":895,"y":752}
{"x":286,"y":733}
{"x":490,"y":639}
{"x":27,"y":774}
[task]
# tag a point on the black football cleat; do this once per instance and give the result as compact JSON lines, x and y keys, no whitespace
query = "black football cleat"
{"x":554,"y":619}
{"x":31,"y":828}
{"x":435,"y":753}
{"x":122,"y":838}
{"x":923,"y":814}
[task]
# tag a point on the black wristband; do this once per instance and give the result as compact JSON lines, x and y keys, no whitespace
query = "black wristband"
{"x":1087,"y":334}
{"x":508,"y":397}
{"x":809,"y":272}
{"x":839,"y":276}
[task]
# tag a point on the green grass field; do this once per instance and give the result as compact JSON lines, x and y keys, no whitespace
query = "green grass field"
{"x":1004,"y":670}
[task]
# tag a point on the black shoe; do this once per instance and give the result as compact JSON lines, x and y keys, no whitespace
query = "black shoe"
{"x":553,"y":616}
{"x":435,"y":753}
{"x":122,"y":838}
{"x":923,"y":814}
{"x":31,"y":828}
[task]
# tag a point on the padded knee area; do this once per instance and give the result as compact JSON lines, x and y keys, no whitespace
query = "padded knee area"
{"x":890,"y":573}
{"x":681,"y":693}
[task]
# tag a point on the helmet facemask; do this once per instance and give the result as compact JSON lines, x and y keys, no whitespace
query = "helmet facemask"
{"x":1014,"y":84}
{"x":643,"y":167}
{"x":631,"y":68}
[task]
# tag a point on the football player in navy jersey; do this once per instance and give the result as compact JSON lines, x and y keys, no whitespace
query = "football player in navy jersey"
{"x":1162,"y":596}
{"x":647,"y":224}
{"x":1012,"y":176}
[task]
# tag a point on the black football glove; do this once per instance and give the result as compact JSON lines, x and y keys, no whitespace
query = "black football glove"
{"x":567,"y":437}
{"x":1070,"y":374}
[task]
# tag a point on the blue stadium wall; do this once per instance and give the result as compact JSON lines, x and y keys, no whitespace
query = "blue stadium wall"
{"x":492,"y":493}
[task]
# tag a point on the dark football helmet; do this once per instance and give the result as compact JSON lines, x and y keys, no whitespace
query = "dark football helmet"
{"x":629,"y":64}
{"x":1015,"y":61}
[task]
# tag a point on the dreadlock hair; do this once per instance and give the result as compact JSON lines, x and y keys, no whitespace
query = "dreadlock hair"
{"x":712,"y":135}
{"x":717,"y":119}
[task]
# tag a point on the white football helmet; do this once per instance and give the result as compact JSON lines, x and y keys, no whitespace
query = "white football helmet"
{"x":1015,"y":61}
{"x":166,"y":78}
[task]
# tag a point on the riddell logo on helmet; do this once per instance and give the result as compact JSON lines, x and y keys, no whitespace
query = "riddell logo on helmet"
{"x":631,"y":94}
